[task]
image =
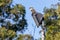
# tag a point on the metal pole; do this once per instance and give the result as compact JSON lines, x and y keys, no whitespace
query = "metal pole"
{"x":43,"y":31}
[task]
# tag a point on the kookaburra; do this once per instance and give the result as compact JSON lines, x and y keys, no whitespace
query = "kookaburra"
{"x":38,"y":17}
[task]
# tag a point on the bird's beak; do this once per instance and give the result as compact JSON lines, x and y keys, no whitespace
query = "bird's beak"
{"x":30,"y":9}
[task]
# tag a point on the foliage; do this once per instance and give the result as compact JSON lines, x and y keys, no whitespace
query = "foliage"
{"x":16,"y":14}
{"x":5,"y":33}
{"x":12,"y":19}
{"x":26,"y":37}
{"x":5,"y":2}
{"x":18,"y":9}
{"x":52,"y":23}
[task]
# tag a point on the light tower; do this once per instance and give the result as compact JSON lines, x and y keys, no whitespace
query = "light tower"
{"x":39,"y":20}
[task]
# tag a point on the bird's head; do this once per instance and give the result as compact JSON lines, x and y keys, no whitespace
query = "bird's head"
{"x":32,"y":10}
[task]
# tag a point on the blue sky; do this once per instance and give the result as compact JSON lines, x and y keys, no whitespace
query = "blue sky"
{"x":38,"y":6}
